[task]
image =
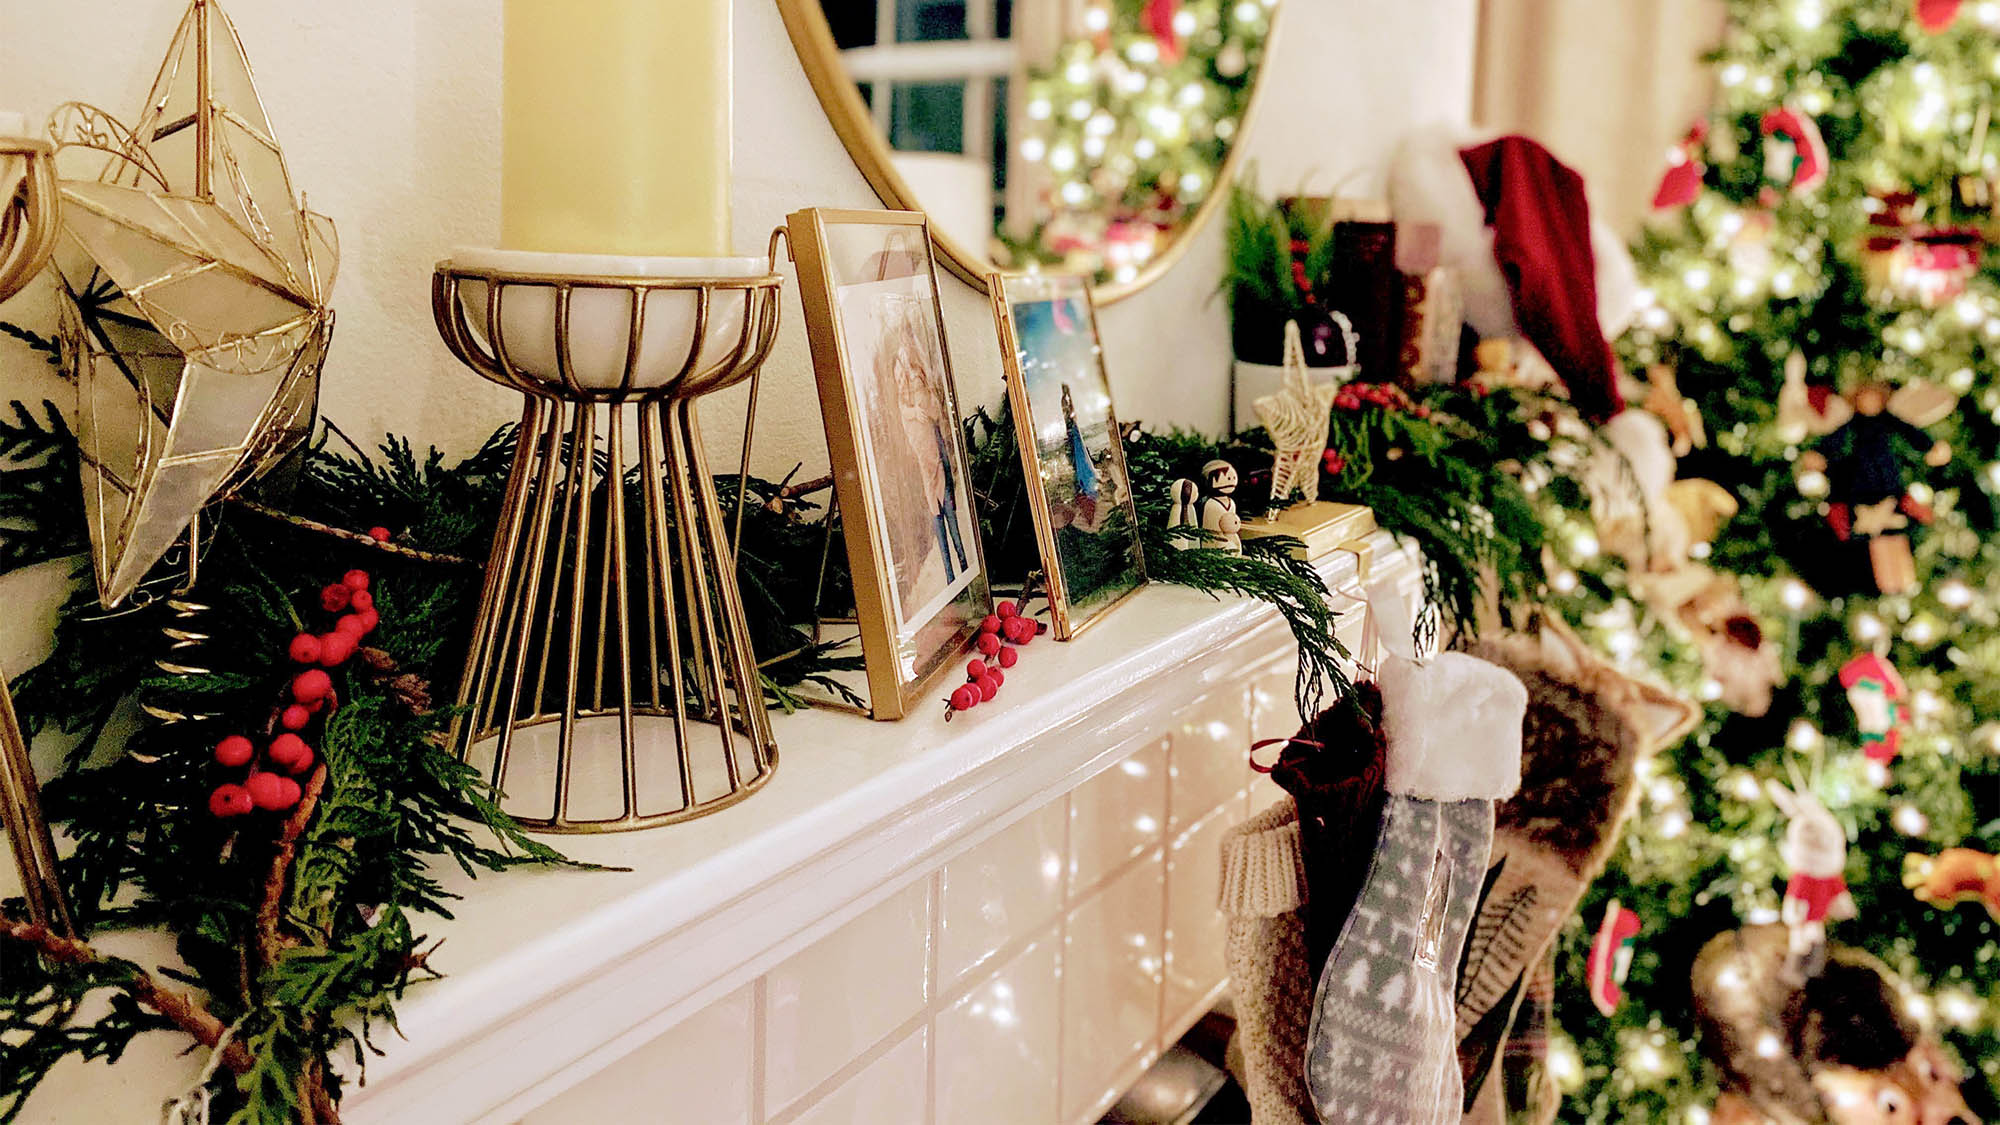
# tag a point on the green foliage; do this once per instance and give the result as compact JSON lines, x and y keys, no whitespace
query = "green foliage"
{"x":134,"y":795}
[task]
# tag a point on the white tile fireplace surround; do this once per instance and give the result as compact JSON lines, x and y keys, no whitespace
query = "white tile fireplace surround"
{"x":1002,"y":919}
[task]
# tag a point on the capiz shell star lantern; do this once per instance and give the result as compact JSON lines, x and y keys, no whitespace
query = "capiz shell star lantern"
{"x":197,"y":320}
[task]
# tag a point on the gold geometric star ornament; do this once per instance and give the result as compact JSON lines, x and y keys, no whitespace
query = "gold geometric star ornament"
{"x":198,"y":282}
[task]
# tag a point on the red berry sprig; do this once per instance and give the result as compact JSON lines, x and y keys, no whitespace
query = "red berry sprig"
{"x":984,"y":674}
{"x":1388,"y":396}
{"x":271,"y":785}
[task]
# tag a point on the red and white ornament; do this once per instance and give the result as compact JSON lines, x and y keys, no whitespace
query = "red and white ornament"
{"x":1795,"y":156}
{"x":1881,"y":704}
{"x":1611,"y":956}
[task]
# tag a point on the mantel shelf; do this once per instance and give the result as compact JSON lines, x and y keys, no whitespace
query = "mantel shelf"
{"x":554,"y":974}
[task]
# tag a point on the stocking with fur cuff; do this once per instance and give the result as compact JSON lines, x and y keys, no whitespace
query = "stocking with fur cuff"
{"x":1381,"y":1045}
{"x":1587,"y":727}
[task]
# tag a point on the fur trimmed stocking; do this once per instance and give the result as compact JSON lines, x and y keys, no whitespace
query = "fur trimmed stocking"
{"x":1381,"y":1043}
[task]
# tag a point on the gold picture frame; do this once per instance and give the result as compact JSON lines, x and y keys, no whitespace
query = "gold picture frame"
{"x":1086,"y":523}
{"x":868,"y":283}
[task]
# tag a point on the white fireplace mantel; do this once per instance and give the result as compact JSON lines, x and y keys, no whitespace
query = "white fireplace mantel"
{"x":1020,"y":899}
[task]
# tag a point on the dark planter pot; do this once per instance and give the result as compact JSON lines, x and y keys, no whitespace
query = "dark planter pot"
{"x":1258,"y":335}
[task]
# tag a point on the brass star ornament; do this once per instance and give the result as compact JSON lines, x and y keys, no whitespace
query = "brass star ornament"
{"x":198,"y":282}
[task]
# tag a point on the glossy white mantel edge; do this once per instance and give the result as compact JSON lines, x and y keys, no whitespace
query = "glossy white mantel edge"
{"x":553,"y":976}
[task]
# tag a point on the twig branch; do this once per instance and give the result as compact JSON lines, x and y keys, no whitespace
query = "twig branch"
{"x":181,"y":1009}
{"x":354,"y":537}
{"x":805,"y":488}
{"x":270,"y":909}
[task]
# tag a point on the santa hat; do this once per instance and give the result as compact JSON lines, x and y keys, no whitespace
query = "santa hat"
{"x":1517,"y":228}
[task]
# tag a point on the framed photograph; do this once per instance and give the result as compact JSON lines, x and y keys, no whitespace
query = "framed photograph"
{"x":1072,"y":451}
{"x":894,"y":433}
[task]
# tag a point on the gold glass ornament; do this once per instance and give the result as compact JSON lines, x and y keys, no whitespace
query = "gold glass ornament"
{"x":197,"y":318}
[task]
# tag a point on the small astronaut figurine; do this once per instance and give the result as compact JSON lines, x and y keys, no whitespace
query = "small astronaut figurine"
{"x":1211,"y":506}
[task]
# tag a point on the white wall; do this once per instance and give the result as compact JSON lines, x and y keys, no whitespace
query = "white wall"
{"x":389,"y":113}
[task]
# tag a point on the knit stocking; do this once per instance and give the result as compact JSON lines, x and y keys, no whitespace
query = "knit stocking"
{"x":1381,"y":1045}
{"x":1263,"y":898}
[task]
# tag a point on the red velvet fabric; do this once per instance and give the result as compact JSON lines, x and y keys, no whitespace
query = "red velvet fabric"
{"x":1541,"y":238}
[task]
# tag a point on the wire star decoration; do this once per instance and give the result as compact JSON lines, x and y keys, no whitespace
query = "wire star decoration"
{"x":198,"y":316}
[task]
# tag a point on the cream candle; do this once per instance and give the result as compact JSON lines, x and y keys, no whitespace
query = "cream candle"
{"x":615,"y":127}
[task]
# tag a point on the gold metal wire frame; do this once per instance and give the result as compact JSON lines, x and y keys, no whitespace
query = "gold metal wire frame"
{"x":28,"y":226}
{"x":27,"y":830}
{"x":611,"y":683}
{"x":28,"y":229}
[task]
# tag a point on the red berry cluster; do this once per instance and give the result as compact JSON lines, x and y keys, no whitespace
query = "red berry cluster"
{"x":1388,"y":396}
{"x":985,"y":673}
{"x":272,"y":785}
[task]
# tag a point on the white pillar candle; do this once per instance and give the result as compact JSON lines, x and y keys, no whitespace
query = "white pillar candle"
{"x":13,"y":124}
{"x":615,"y":127}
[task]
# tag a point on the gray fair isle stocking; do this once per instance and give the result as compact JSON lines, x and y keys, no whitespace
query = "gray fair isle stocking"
{"x":1382,"y":1047}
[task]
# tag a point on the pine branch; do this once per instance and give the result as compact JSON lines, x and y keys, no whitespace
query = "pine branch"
{"x":183,"y":1010}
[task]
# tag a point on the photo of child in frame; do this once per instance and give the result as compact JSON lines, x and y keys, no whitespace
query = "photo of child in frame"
{"x":914,"y":441}
{"x":1077,"y":445}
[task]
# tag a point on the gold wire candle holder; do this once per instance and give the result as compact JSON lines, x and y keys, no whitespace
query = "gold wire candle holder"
{"x":611,"y":683}
{"x":28,"y":228}
{"x":28,"y":225}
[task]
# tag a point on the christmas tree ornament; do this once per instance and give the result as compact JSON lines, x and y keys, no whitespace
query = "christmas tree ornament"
{"x":1807,"y":410}
{"x":1627,"y":477}
{"x":1815,"y":854}
{"x":1382,"y":1039}
{"x":1839,"y":1047}
{"x":1611,"y":957}
{"x":1209,"y":505}
{"x":1681,"y":183}
{"x":1660,"y":395}
{"x":1795,"y":156}
{"x":1923,"y":403}
{"x":1953,"y":876}
{"x":1935,"y":16}
{"x":197,"y":316}
{"x":1881,"y":704}
{"x":1297,"y":417}
{"x":1868,"y":462}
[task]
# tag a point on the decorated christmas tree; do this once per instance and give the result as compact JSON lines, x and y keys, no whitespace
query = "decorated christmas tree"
{"x":1131,"y":121}
{"x":1820,"y":289}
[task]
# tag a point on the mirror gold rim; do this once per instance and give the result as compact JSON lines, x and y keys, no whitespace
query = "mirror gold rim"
{"x":812,"y":40}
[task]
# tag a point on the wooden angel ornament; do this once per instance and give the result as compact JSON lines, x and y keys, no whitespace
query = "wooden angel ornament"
{"x":1211,"y":506}
{"x":1868,"y":462}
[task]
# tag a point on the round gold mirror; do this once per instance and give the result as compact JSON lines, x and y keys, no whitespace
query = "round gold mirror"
{"x":1092,"y":136}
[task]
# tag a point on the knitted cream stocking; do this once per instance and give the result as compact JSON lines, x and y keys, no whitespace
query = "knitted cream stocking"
{"x":1263,"y":897}
{"x":1381,"y":1046}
